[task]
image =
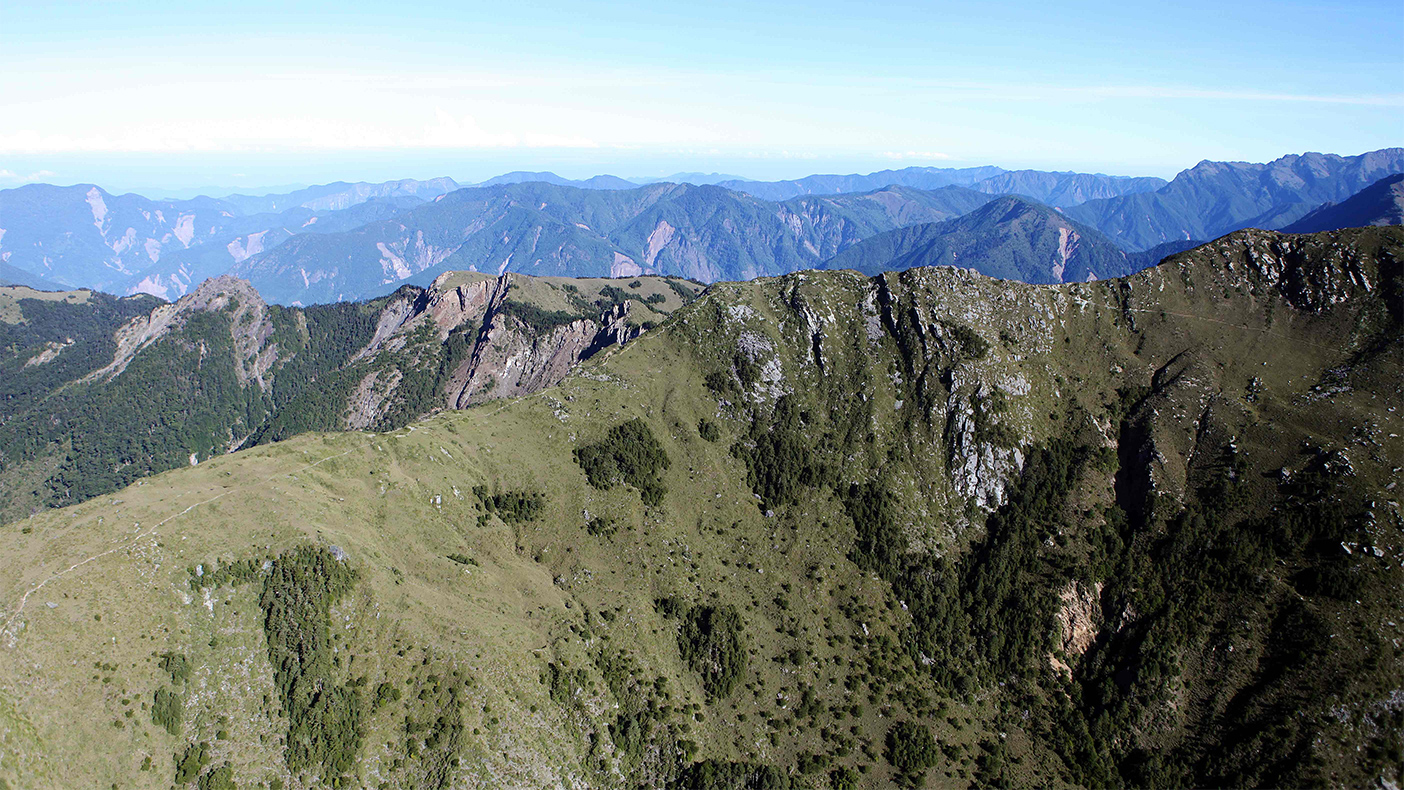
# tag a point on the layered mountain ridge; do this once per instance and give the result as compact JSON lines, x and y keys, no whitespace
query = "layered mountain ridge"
{"x":705,"y":233}
{"x":539,"y":223}
{"x":1381,"y":203}
{"x":1214,"y":198}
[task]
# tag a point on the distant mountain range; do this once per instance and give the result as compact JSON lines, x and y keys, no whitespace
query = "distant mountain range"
{"x":702,"y":232}
{"x":357,"y":240}
{"x":1055,"y":189}
{"x":1214,"y":198}
{"x":341,"y":195}
{"x":12,"y":275}
{"x":700,"y":179}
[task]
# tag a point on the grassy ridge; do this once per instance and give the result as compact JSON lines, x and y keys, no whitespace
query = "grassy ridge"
{"x":822,"y":584}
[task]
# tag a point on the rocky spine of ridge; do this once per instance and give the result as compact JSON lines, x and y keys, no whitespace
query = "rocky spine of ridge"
{"x":251,"y":329}
{"x":508,"y":357}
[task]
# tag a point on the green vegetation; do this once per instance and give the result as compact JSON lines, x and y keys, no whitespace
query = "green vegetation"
{"x":191,"y":762}
{"x":1080,"y":556}
{"x":201,"y":390}
{"x":221,"y":778}
{"x":779,"y":462}
{"x":717,"y":775}
{"x":911,"y":750}
{"x":537,"y":319}
{"x":324,"y":716}
{"x":629,"y":454}
{"x":177,"y":665}
{"x":711,"y":641}
{"x":167,"y":710}
{"x":512,"y":507}
{"x":687,"y":295}
{"x":708,"y":430}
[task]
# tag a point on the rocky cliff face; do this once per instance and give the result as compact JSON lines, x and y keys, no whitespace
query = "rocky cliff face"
{"x":500,"y":354}
{"x":220,"y":369}
{"x":250,"y":329}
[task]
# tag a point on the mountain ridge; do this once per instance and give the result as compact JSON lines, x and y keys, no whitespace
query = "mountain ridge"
{"x":220,"y":369}
{"x":946,"y":530}
{"x":1011,"y":238}
{"x":703,"y":232}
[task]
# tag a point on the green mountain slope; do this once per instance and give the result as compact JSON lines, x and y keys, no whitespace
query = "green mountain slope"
{"x":925,"y":529}
{"x":1010,"y":238}
{"x":97,"y":392}
{"x":1381,"y":203}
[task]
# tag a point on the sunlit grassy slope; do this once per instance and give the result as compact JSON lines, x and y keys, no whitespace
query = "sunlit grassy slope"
{"x":863,"y":429}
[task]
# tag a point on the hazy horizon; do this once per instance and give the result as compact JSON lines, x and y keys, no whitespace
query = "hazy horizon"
{"x":166,"y":97}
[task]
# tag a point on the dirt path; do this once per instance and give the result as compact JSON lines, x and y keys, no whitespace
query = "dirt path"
{"x":8,"y":631}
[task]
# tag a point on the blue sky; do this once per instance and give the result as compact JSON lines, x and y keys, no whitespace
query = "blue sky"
{"x":158,"y":95}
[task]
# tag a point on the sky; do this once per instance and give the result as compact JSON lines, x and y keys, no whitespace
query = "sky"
{"x":162,"y":96}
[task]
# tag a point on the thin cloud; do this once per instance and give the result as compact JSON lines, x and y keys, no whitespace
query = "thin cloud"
{"x":1157,"y":92}
{"x":445,"y":131}
{"x":916,"y":155}
{"x":38,"y":175}
{"x":1035,"y":92}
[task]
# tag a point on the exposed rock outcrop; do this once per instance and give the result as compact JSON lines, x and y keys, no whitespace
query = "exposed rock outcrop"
{"x":250,"y":328}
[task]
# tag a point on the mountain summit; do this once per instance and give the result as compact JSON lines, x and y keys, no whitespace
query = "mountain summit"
{"x":1011,"y":238}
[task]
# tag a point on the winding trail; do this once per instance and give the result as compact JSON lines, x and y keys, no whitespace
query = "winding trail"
{"x":7,"y":629}
{"x":11,"y":636}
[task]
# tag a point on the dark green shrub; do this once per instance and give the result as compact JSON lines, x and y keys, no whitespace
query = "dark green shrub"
{"x":601,"y":526}
{"x":684,"y":293}
{"x":535,"y":318}
{"x":221,"y":778}
{"x":386,"y":693}
{"x":167,"y":709}
{"x":177,"y":665}
{"x":324,"y":718}
{"x":911,"y":749}
{"x":189,"y":764}
{"x":629,"y":453}
{"x":512,"y":506}
{"x":712,"y":642}
{"x":718,"y":775}
{"x":843,"y":778}
{"x":708,"y":430}
{"x":809,"y":763}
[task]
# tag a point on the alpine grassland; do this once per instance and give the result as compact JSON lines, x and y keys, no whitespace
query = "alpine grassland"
{"x":925,"y":529}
